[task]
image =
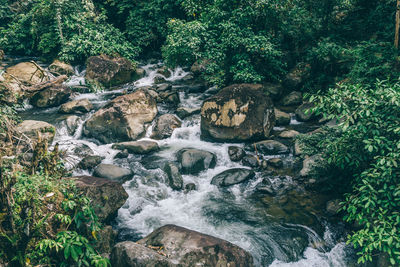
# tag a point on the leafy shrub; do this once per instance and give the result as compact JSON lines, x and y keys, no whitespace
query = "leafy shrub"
{"x":368,"y":150}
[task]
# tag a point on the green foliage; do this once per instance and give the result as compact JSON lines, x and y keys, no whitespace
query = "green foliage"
{"x":368,"y":149}
{"x":232,"y":38}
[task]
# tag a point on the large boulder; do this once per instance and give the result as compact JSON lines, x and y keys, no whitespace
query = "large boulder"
{"x":51,"y":97}
{"x":107,"y":196}
{"x":28,"y":73}
{"x":130,"y":254}
{"x":110,"y":71}
{"x":137,"y":147}
{"x":32,"y":129}
{"x":190,"y":248}
{"x":193,"y":161}
{"x":271,"y":147}
{"x":165,"y":125}
{"x":61,"y":68}
{"x":76,"y":106}
{"x":112,"y":172}
{"x":122,"y":119}
{"x":237,"y":113}
{"x":232,"y":177}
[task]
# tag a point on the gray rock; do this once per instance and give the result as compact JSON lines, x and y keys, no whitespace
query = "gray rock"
{"x":292,"y":99}
{"x":276,"y":163}
{"x":159,"y":79}
{"x":190,"y":187}
{"x":174,"y":177}
{"x":171,"y":98}
{"x":236,"y":153}
{"x":107,"y":196}
{"x":112,"y":172}
{"x":164,"y":71}
{"x":298,"y":150}
{"x":232,"y":177}
{"x":190,"y":248}
{"x":130,"y":254}
{"x":61,"y":68}
{"x":122,"y":154}
{"x":51,"y":97}
{"x":123,"y":118}
{"x":271,"y":147}
{"x":281,"y":118}
{"x":90,"y":162}
{"x":31,"y":129}
{"x":193,"y":161}
{"x":303,"y":112}
{"x":77,"y":106}
{"x":183,"y":112}
{"x":288,"y":134}
{"x":165,"y":125}
{"x":137,"y":147}
{"x":308,"y":164}
{"x":250,"y":161}
{"x":163,"y":87}
{"x":72,"y":123}
{"x":240,"y":112}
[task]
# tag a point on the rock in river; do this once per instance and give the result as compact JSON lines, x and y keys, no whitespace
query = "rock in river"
{"x":270,"y":147}
{"x":236,"y":153}
{"x":112,"y":172}
{"x":137,"y":147}
{"x":237,"y":113}
{"x":76,"y":106}
{"x":165,"y":125}
{"x":174,"y":176}
{"x":122,"y":119}
{"x":32,"y":128}
{"x":51,"y":97}
{"x":194,"y":161}
{"x":107,"y":196}
{"x":232,"y":177}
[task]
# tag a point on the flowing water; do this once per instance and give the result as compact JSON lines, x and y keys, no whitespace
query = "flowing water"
{"x":276,"y":235}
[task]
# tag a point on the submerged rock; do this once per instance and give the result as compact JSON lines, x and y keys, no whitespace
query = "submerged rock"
{"x":165,"y":125}
{"x":232,"y":177}
{"x":270,"y":147}
{"x":76,"y":106}
{"x":193,"y":161}
{"x":112,"y":172}
{"x":190,"y":248}
{"x":61,"y":68}
{"x":110,"y":71}
{"x":237,"y":113}
{"x":236,"y":153}
{"x":107,"y":196}
{"x":122,"y":119}
{"x":138,"y":147}
{"x":174,"y":177}
{"x":32,"y":129}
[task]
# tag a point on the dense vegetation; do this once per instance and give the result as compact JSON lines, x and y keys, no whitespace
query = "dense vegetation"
{"x":343,"y":42}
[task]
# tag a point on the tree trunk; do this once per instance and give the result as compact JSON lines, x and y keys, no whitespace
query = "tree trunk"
{"x":396,"y":35}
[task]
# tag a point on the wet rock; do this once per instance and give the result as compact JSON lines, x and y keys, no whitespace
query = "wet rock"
{"x":184,"y":112}
{"x":122,"y":119}
{"x":130,"y":254}
{"x":61,"y":68}
{"x":190,"y":248}
{"x":165,"y":125}
{"x":139,"y":73}
{"x":270,"y":147}
{"x":82,"y":150}
{"x":77,"y":106}
{"x":273,"y":90}
{"x":107,"y":196}
{"x":281,"y":118}
{"x":72,"y":123}
{"x":28,"y":73}
{"x":232,"y":177}
{"x":193,"y":161}
{"x":159,"y":79}
{"x":163,"y":87}
{"x":289,"y":134}
{"x":250,"y":161}
{"x":293,"y":99}
{"x":110,"y":71}
{"x":32,"y":129}
{"x":153,"y":162}
{"x":236,"y":153}
{"x":174,"y":177}
{"x":171,"y":98}
{"x":333,"y":207}
{"x":164,"y":71}
{"x":265,"y":187}
{"x":190,"y":187}
{"x":112,"y":172}
{"x":308,"y":164}
{"x":239,"y":112}
{"x":276,"y":163}
{"x":90,"y":162}
{"x":122,"y":154}
{"x":51,"y":97}
{"x":303,"y":112}
{"x":138,"y":147}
